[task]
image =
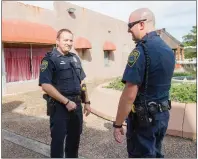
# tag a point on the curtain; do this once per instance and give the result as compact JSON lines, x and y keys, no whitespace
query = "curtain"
{"x":17,"y":62}
{"x":38,"y":52}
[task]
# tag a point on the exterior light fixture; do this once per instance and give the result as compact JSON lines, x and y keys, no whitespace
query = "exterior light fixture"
{"x":71,"y":10}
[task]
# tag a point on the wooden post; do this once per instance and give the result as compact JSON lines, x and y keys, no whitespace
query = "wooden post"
{"x":182,"y":51}
{"x":178,"y":54}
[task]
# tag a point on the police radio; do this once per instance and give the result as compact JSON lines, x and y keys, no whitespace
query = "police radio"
{"x":143,"y":116}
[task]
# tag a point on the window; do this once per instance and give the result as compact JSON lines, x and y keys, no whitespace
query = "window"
{"x":106,"y":58}
{"x":22,"y":62}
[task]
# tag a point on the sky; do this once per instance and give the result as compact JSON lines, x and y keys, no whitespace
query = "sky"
{"x":177,"y":17}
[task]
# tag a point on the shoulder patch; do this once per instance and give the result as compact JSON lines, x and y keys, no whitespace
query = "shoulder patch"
{"x":133,"y":56}
{"x":44,"y":65}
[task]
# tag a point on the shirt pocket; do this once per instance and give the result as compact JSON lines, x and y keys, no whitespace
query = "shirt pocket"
{"x":65,"y":72}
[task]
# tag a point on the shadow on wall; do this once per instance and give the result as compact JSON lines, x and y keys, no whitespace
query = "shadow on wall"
{"x":73,"y":16}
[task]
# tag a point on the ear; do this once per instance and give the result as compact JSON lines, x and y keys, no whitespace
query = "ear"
{"x":142,"y":25}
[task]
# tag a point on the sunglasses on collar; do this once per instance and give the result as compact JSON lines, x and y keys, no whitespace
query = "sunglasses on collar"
{"x":130,"y":25}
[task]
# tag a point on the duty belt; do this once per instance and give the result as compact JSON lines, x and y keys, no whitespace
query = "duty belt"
{"x":75,"y":98}
{"x":155,"y":107}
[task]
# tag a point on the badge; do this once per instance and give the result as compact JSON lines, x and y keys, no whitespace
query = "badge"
{"x":75,"y":60}
{"x":44,"y":65}
{"x":134,"y":55}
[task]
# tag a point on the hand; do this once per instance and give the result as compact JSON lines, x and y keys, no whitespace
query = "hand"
{"x":118,"y":134}
{"x":87,"y":109}
{"x":71,"y":106}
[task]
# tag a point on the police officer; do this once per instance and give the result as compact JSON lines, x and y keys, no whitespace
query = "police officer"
{"x":145,"y":98}
{"x":61,"y":77}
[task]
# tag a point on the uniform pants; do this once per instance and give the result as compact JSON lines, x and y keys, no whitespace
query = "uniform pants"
{"x":66,"y":128}
{"x":146,"y":142}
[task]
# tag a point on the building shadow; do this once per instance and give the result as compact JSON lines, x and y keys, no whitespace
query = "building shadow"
{"x":9,"y":106}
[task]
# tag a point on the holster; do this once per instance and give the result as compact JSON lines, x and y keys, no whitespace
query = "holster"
{"x":50,"y":104}
{"x":143,"y":117}
{"x":83,"y":96}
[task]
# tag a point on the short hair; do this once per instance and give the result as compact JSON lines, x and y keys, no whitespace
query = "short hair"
{"x":61,"y":31}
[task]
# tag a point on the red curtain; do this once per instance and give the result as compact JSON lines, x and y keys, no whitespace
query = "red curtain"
{"x":17,"y":62}
{"x":38,"y":52}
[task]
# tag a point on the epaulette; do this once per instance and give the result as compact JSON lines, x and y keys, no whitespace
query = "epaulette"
{"x":48,"y":54}
{"x":72,"y":53}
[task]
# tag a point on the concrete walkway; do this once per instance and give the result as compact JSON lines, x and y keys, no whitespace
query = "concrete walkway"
{"x":26,"y":133}
{"x":105,"y":101}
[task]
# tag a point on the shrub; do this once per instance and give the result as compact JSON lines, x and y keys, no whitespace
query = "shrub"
{"x":184,"y":74}
{"x":185,"y":93}
{"x":116,"y":84}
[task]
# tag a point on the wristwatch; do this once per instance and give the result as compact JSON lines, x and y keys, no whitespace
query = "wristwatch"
{"x":116,"y":126}
{"x":88,"y":102}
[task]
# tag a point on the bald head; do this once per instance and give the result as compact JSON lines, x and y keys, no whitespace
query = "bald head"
{"x":141,"y":22}
{"x":143,"y":13}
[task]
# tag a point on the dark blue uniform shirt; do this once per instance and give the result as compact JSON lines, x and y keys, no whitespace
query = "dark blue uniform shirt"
{"x":64,"y":72}
{"x":162,"y":63}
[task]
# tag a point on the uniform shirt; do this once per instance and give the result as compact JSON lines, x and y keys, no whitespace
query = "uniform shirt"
{"x":162,"y":63}
{"x":64,"y":72}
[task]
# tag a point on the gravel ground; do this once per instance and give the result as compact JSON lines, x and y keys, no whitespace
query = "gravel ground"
{"x":21,"y":116}
{"x":11,"y":150}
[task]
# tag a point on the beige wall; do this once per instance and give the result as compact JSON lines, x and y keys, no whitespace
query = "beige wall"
{"x":93,"y":26}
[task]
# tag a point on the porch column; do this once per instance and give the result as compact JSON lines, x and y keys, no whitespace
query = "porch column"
{"x":182,"y":54}
{"x":178,"y":54}
{"x":3,"y":72}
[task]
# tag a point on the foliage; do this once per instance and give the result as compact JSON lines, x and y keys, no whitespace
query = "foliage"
{"x":184,"y":74}
{"x":179,"y":92}
{"x":116,"y":84}
{"x":186,"y":93}
{"x":190,"y":53}
{"x":191,"y":38}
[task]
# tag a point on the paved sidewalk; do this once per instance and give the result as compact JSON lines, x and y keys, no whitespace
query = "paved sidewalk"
{"x":105,"y":101}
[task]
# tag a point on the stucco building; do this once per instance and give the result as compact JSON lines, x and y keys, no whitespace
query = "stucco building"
{"x":28,"y":32}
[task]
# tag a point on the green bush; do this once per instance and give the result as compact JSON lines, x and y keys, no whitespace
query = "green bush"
{"x":185,"y":93}
{"x":184,"y":74}
{"x":116,"y":84}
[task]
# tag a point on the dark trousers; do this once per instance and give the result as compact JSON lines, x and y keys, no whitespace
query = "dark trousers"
{"x":66,"y":128}
{"x":146,"y":142}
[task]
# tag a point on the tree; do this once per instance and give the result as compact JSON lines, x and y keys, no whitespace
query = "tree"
{"x":190,"y":40}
